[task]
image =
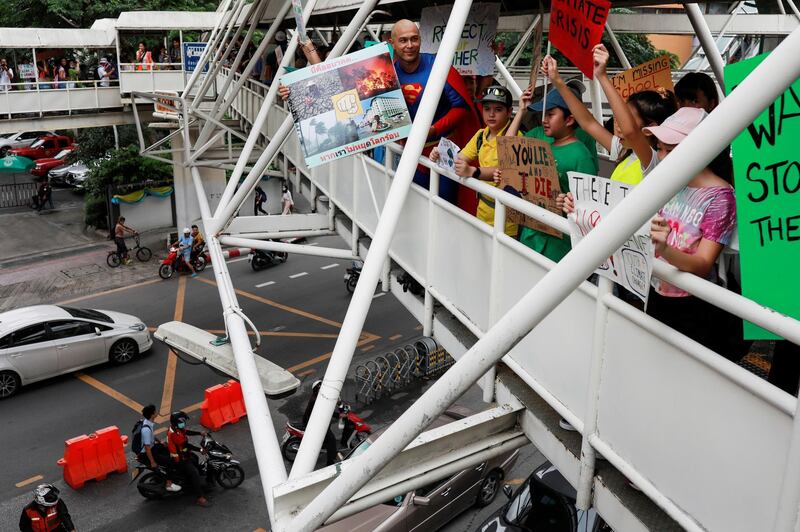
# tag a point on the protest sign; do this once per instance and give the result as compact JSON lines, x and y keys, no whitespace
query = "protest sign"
{"x":536,"y":41}
{"x":576,"y":26}
{"x":297,"y":10}
{"x":347,"y":105}
{"x":27,"y":71}
{"x":529,"y":171}
{"x":631,"y":265}
{"x":448,"y":150}
{"x":766,"y":167}
{"x":474,"y":54}
{"x":650,"y":76}
{"x":192,"y":51}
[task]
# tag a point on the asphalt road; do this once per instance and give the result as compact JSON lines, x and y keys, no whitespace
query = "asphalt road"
{"x":299,"y":316}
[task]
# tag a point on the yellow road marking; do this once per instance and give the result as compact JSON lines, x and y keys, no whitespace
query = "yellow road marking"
{"x":106,"y":292}
{"x":109,"y":391}
{"x":324,"y":357}
{"x":306,"y":372}
{"x":365,"y":349}
{"x":514,"y":481}
{"x":27,"y":481}
{"x":282,"y":333}
{"x":395,"y":337}
{"x":172,"y":358}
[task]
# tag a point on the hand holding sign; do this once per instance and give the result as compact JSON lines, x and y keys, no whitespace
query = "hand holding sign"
{"x":447,"y":150}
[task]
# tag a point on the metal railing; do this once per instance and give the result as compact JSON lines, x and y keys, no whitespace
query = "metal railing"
{"x":17,"y":194}
{"x":41,"y":97}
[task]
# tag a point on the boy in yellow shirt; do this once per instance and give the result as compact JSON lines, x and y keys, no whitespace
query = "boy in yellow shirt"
{"x":478,"y":158}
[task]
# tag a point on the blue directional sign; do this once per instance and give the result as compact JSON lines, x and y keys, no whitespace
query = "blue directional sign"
{"x":191,"y":55}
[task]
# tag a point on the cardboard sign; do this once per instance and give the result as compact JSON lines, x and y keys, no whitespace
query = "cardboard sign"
{"x":27,"y":71}
{"x":576,"y":26}
{"x":448,"y":150}
{"x":652,"y":75}
{"x":297,"y":10}
{"x":631,"y":266}
{"x":529,"y":171}
{"x":536,"y":41}
{"x":192,"y":51}
{"x":474,"y":54}
{"x":766,"y":167}
{"x":347,"y":105}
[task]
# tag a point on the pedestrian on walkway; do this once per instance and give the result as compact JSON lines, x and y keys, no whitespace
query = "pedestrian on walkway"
{"x":47,"y":512}
{"x":6,"y":75}
{"x":104,"y":72}
{"x":144,"y":58}
{"x":260,"y":199}
{"x":286,"y":201}
{"x":60,"y":74}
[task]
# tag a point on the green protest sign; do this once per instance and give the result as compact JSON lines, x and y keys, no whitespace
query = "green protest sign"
{"x":766,"y":165}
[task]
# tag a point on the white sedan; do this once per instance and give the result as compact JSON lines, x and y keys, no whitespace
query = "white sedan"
{"x":47,"y":340}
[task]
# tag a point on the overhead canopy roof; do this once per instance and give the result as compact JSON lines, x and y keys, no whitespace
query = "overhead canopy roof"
{"x":56,"y":38}
{"x":167,"y":20}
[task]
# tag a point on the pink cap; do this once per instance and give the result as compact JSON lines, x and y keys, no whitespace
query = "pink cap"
{"x":678,"y":125}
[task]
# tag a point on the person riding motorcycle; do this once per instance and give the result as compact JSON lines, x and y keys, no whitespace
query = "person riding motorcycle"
{"x":330,"y":440}
{"x":198,"y":243}
{"x":180,"y":452}
{"x":46,"y":513}
{"x":184,"y":245}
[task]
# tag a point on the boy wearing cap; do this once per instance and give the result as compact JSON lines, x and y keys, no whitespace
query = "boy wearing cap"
{"x":569,"y":152}
{"x":478,"y":159}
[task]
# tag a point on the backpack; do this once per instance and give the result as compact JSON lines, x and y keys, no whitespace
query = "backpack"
{"x":136,"y":436}
{"x":479,"y":140}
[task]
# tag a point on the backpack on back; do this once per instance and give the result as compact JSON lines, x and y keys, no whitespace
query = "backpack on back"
{"x":136,"y":437}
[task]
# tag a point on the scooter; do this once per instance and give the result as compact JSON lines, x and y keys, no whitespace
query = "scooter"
{"x":175,"y":263}
{"x":218,"y":466}
{"x":354,"y":431}
{"x":260,"y":259}
{"x":352,"y":275}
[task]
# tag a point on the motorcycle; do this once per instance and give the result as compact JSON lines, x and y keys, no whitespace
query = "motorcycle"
{"x":352,"y":275}
{"x":261,"y":259}
{"x":217,"y":465}
{"x":354,"y":431}
{"x":174,"y":262}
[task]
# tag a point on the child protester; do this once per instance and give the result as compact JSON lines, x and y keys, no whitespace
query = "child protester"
{"x":478,"y":158}
{"x":570,"y":155}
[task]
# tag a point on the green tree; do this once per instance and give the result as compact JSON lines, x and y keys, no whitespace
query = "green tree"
{"x":124,"y":166}
{"x":96,"y":142}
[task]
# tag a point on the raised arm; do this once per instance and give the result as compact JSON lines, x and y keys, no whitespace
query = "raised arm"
{"x":636,"y":138}
{"x":524,"y":101}
{"x":584,"y":117}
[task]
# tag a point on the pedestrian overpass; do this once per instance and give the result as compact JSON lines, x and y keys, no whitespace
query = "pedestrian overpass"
{"x":709,"y":445}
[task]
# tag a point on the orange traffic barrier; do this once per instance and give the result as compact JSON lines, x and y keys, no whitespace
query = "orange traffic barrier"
{"x":223,"y":404}
{"x":94,"y":456}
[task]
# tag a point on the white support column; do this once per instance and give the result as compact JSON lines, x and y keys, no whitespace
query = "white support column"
{"x":430,"y":263}
{"x":495,"y":276}
{"x":746,"y":102}
{"x":588,"y":454}
{"x":515,"y":89}
{"x":707,"y":42}
{"x":229,"y":205}
{"x":353,"y":323}
{"x":282,"y":247}
{"x":211,"y":45}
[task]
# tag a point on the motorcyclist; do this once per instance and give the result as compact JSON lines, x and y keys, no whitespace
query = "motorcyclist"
{"x":198,"y":243}
{"x":46,"y":513}
{"x":184,"y":245}
{"x":180,"y":452}
{"x":330,"y":440}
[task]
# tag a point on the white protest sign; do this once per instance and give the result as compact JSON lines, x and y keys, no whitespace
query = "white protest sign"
{"x":448,"y":150}
{"x":474,"y":54}
{"x":595,"y":197}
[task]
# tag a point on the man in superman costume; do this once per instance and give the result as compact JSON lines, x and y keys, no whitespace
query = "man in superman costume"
{"x":455,"y":117}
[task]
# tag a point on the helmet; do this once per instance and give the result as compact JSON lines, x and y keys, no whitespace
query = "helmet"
{"x":46,"y":495}
{"x":186,"y":230}
{"x":178,"y":417}
{"x":497,"y":94}
{"x":316,"y":386}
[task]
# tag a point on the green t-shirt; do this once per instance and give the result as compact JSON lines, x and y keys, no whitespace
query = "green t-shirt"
{"x":583,"y":136}
{"x":572,"y":157}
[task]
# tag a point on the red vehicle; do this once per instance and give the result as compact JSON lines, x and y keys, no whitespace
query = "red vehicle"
{"x":174,"y":262}
{"x":46,"y":147}
{"x":45,"y":165}
{"x":354,"y":431}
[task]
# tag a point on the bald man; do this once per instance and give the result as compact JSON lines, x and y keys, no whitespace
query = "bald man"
{"x":455,"y":116}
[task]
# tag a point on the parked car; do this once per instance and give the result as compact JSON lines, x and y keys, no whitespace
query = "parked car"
{"x":59,"y":175}
{"x":43,"y":166}
{"x":47,"y":340}
{"x":431,"y":507}
{"x":544,"y":502}
{"x":20,"y":140}
{"x":77,"y":176}
{"x":44,"y":147}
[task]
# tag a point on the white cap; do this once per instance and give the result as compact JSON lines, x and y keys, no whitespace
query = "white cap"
{"x":187,"y":230}
{"x":103,"y":60}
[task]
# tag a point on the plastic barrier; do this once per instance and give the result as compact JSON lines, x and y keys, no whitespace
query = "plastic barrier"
{"x":94,"y":456}
{"x":223,"y":404}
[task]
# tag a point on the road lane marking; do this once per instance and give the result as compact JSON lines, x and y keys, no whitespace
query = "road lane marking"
{"x":395,"y":337}
{"x":172,"y":358}
{"x":282,"y":333}
{"x":306,"y":372}
{"x":106,"y":292}
{"x":295,"y":276}
{"x":329,"y":266}
{"x":262,"y":285}
{"x":515,"y":481}
{"x":367,"y":348}
{"x":109,"y":391}
{"x":326,"y":356}
{"x":379,"y":294}
{"x":27,"y":481}
{"x":368,"y":335}
{"x":240,"y":259}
